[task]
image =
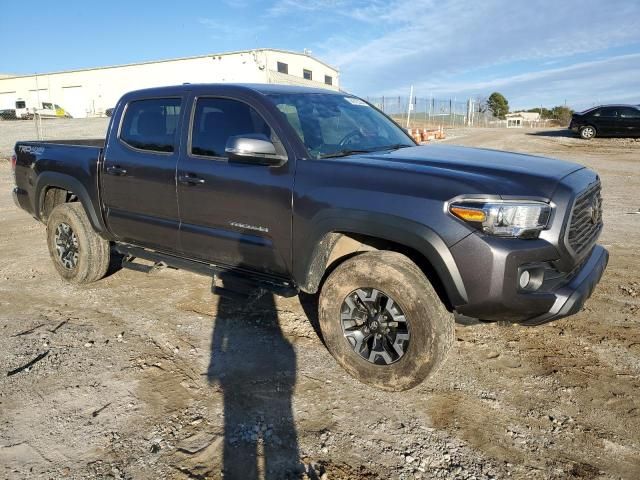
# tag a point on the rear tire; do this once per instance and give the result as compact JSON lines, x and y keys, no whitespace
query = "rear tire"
{"x":78,"y":253}
{"x":588,"y":132}
{"x":394,"y":348}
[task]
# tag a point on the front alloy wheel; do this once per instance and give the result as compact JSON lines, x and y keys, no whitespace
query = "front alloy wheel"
{"x":382,"y":320}
{"x":375,"y":326}
{"x":587,"y":132}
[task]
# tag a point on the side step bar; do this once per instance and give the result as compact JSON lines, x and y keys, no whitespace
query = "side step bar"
{"x":236,"y":283}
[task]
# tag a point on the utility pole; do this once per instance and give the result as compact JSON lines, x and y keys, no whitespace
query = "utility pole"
{"x":410,"y":107}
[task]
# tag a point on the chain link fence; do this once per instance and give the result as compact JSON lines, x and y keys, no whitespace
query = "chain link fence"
{"x":430,"y":112}
{"x":425,"y":112}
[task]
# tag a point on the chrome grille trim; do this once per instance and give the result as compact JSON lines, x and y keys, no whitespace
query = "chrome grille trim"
{"x":585,"y":223}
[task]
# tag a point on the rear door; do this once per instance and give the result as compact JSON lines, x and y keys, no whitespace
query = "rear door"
{"x":232,"y":214}
{"x":629,"y":121}
{"x":138,"y":176}
{"x":605,"y":120}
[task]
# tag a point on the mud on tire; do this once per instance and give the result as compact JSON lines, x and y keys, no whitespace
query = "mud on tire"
{"x":429,"y":325}
{"x":78,"y":253}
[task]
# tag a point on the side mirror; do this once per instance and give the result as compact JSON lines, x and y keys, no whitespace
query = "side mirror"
{"x":254,"y":149}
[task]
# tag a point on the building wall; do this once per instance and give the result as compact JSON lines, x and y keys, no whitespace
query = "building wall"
{"x":297,"y":63}
{"x":90,"y":92}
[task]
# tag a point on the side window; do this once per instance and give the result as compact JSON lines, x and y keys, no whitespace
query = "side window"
{"x":151,"y":124}
{"x":217,"y":119}
{"x":628,"y":112}
{"x":307,"y":74}
{"x":608,"y":112}
{"x":328,"y":80}
{"x":291,"y":112}
{"x":283,"y":67}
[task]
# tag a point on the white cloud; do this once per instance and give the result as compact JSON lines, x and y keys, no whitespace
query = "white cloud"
{"x":583,"y":84}
{"x":433,"y":44}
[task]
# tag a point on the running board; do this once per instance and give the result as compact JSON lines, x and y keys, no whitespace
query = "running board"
{"x":236,"y":283}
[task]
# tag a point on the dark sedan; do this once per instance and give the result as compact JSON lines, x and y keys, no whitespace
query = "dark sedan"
{"x":8,"y":114}
{"x":607,"y":121}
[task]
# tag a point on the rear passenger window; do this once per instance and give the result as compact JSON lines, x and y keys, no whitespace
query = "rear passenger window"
{"x":217,"y":119}
{"x":151,"y":124}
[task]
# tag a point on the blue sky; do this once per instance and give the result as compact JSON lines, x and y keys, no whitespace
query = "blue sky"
{"x":535,"y":52}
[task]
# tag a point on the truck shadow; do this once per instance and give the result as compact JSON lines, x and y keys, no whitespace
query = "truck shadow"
{"x":255,"y":367}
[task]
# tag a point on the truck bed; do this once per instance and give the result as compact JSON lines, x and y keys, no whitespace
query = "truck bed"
{"x":82,"y":142}
{"x":66,"y":164}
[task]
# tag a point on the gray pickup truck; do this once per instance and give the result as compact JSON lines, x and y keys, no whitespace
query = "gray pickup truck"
{"x":292,"y":190}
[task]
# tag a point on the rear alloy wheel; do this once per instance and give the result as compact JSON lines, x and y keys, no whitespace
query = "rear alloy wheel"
{"x":79,"y":254}
{"x":588,"y":132}
{"x":383,"y":322}
{"x":67,"y":243}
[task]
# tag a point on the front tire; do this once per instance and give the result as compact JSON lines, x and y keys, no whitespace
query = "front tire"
{"x":588,"y":132}
{"x":383,"y":322}
{"x":78,"y":253}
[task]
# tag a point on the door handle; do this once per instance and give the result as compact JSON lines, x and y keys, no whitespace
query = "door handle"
{"x":190,"y":180}
{"x":116,"y":170}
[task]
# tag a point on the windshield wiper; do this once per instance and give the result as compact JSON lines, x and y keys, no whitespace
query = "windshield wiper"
{"x":342,"y":153}
{"x":347,"y":152}
{"x":395,"y":146}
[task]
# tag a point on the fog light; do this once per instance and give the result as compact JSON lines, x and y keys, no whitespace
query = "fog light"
{"x":525,"y":277}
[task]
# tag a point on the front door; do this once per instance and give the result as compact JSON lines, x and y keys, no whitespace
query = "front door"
{"x":138,"y":176}
{"x":232,"y":214}
{"x":629,"y":121}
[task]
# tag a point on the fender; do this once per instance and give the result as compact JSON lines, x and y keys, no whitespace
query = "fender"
{"x":60,"y":180}
{"x":405,"y":232}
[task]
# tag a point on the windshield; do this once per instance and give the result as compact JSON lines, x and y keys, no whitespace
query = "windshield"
{"x":335,"y":125}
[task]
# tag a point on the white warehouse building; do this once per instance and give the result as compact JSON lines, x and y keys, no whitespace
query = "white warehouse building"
{"x":89,"y":92}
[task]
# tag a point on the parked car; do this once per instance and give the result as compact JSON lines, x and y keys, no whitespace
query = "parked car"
{"x":292,"y":189}
{"x":607,"y":121}
{"x":109,"y":112}
{"x":8,"y":114}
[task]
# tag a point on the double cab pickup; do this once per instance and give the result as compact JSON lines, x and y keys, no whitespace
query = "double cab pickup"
{"x":290,"y":189}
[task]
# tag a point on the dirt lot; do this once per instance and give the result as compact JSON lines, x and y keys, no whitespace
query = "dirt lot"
{"x":152,"y":376}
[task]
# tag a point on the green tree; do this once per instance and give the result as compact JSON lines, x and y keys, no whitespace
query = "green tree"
{"x":562,"y":114}
{"x":498,"y":105}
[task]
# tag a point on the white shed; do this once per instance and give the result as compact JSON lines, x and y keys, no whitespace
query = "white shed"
{"x":521,"y":119}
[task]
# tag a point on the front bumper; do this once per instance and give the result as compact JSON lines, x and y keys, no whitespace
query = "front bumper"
{"x":490,"y":269}
{"x":571,"y":297}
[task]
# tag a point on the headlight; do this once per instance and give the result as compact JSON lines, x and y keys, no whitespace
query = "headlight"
{"x":519,"y":219}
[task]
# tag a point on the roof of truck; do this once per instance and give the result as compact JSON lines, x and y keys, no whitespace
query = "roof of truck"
{"x":263,"y":88}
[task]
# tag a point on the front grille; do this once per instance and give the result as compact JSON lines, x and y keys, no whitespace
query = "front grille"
{"x":586,"y":219}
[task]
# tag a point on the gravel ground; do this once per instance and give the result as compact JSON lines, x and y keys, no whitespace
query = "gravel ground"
{"x":152,"y":376}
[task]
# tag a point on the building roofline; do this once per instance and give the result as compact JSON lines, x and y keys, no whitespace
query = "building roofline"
{"x":166,"y":60}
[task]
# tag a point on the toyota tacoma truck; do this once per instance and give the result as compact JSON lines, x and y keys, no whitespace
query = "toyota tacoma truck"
{"x":290,"y":189}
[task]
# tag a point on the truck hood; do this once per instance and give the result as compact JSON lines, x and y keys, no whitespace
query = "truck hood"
{"x":488,"y":171}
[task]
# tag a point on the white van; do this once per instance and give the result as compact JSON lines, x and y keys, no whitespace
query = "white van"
{"x":43,"y":110}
